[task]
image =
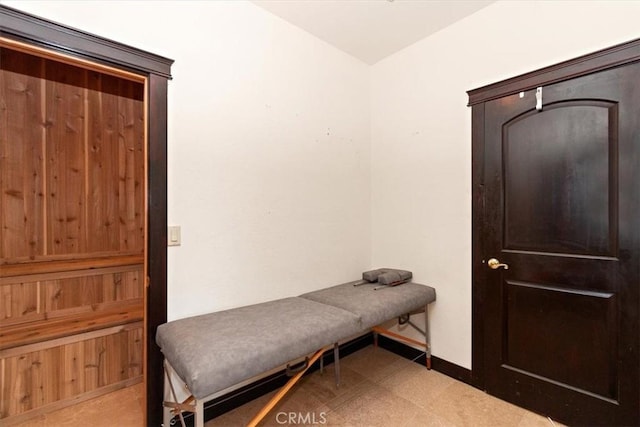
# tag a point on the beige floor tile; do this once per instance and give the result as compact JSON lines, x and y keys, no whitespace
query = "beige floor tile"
{"x":373,"y":363}
{"x":305,"y":400}
{"x":122,"y":408}
{"x":241,"y":415}
{"x":417,"y":384}
{"x":335,"y":420}
{"x":378,"y":388}
{"x":293,"y":411}
{"x":428,"y":419}
{"x":358,"y":390}
{"x":386,"y":391}
{"x":534,"y":420}
{"x":299,"y":415}
{"x":373,"y":405}
{"x":466,"y":406}
{"x":323,"y":386}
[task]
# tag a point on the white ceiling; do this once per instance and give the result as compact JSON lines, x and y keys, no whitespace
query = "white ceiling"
{"x":372,"y":29}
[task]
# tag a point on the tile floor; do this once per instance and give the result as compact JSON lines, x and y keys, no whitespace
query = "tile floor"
{"x":122,"y":408}
{"x":378,"y":388}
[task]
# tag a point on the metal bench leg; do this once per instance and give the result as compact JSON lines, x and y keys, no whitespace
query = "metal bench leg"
{"x":427,"y":338}
{"x":171,"y":407}
{"x":336,"y":362}
{"x":199,"y":413}
{"x":167,"y":416}
{"x":283,"y":391}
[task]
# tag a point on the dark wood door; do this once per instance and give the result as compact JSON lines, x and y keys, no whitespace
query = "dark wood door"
{"x":562,"y":211}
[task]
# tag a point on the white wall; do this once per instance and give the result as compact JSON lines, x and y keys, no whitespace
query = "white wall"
{"x":269,"y":148}
{"x":421,"y":137}
{"x":276,"y":141}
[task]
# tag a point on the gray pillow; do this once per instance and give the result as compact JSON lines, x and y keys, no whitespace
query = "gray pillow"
{"x":401,"y":276}
{"x":394,"y":277}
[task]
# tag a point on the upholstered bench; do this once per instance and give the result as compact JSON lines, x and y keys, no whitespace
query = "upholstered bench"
{"x":374,"y":304}
{"x":214,"y":351}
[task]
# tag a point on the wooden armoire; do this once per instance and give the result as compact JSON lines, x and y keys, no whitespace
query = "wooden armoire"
{"x":83,"y":217}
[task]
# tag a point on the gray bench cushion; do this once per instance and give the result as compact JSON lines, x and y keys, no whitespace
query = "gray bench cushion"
{"x":375,"y":306}
{"x":217,"y":350}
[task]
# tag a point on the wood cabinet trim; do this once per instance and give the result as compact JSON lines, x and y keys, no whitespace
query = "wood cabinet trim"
{"x":73,"y":268}
{"x":28,"y":348}
{"x":50,"y":35}
{"x":49,"y":329}
{"x":67,"y":59}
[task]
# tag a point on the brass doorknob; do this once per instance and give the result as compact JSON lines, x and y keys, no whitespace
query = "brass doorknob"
{"x":495,"y":264}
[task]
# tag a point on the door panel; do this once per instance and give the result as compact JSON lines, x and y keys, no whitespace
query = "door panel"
{"x":588,"y":359}
{"x":561,"y":201}
{"x":568,"y":161}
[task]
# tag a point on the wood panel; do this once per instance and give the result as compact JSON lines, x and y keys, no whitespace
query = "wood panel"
{"x":38,"y":378}
{"x":70,"y":293}
{"x":48,"y":39}
{"x":85,"y":293}
{"x":115,"y":160}
{"x":72,"y":159}
{"x":64,"y":153}
{"x":102,"y":163}
{"x":567,"y":162}
{"x":83,"y":301}
{"x":589,"y":358}
{"x":72,"y":229}
{"x":131,"y":174}
{"x":19,"y":302}
{"x":21,"y":160}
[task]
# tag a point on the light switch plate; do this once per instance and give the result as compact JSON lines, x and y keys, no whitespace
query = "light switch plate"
{"x":173,"y":236}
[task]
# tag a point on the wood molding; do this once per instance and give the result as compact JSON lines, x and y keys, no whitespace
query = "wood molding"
{"x":67,"y":59}
{"x":443,"y":366}
{"x":587,"y":64}
{"x":31,"y":30}
{"x":10,"y":273}
{"x":156,"y":291}
{"x":50,"y":35}
{"x":16,"y":351}
{"x":477,"y":221}
{"x":47,"y":329}
{"x":56,"y":275}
